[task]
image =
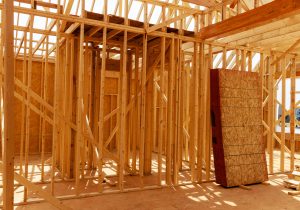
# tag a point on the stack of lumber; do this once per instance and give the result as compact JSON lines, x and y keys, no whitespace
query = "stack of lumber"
{"x":293,"y":181}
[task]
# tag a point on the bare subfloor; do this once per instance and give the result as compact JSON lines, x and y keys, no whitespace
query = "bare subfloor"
{"x":206,"y":196}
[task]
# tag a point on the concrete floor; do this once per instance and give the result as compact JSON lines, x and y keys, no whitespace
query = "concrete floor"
{"x":206,"y":196}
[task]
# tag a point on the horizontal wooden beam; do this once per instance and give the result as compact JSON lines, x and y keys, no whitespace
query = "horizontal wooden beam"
{"x":40,"y":3}
{"x":265,"y":14}
{"x":169,"y":21}
{"x":205,"y":3}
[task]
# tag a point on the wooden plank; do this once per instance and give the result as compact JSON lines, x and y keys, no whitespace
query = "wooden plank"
{"x":8,"y":142}
{"x":237,"y":59}
{"x":243,"y":61}
{"x":23,"y":107}
{"x":170,"y":119}
{"x":271,"y":107}
{"x":143,"y":98}
{"x":267,"y":13}
{"x":161,"y":106}
{"x":193,"y":107}
{"x":224,"y":58}
{"x":67,"y":11}
{"x":101,"y":100}
{"x":143,"y":108}
{"x":45,"y":89}
{"x":39,"y":3}
{"x":28,"y":115}
{"x":176,"y":111}
{"x":292,"y":113}
{"x":137,"y":107}
{"x":208,"y":132}
{"x":55,"y":129}
{"x":205,"y":3}
{"x":283,"y":115}
{"x":79,"y":123}
{"x":123,"y":112}
{"x":250,"y":61}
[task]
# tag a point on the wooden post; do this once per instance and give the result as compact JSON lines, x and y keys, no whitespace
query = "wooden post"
{"x":123,"y":104}
{"x":237,"y":59}
{"x":250,"y":61}
{"x":123,"y":112}
{"x":224,"y":58}
{"x":56,"y":92}
{"x":9,"y":106}
{"x":176,"y":115}
{"x":272,"y":112}
{"x":292,"y":113}
{"x":283,"y":113}
{"x":28,"y":114}
{"x":143,"y":97}
{"x":243,"y":61}
{"x":136,"y":105}
{"x":45,"y":88}
{"x":23,"y":106}
{"x":224,"y":10}
{"x":161,"y":107}
{"x":79,"y":107}
{"x":101,"y":100}
{"x":170,"y":114}
{"x":238,"y":7}
{"x":208,"y":139}
{"x":194,"y":106}
{"x":202,"y":117}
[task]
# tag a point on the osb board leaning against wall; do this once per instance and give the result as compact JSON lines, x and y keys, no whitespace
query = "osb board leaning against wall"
{"x":238,"y":146}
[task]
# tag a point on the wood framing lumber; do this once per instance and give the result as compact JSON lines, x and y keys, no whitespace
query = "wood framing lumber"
{"x":55,"y":130}
{"x":292,"y":113}
{"x":8,"y":143}
{"x":267,"y":13}
{"x":234,"y":3}
{"x":39,"y":3}
{"x":38,"y":190}
{"x":66,"y":12}
{"x":205,"y":3}
{"x":286,"y":52}
{"x":101,"y":101}
{"x":169,"y":21}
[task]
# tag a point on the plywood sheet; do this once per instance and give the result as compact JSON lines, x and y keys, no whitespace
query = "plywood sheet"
{"x":237,"y":128}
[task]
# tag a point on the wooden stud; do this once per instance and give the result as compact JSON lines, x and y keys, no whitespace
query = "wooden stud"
{"x":22,"y":140}
{"x":270,"y":112}
{"x":101,"y":100}
{"x":283,"y":115}
{"x":206,"y":97}
{"x":292,"y":113}
{"x":45,"y":89}
{"x":170,"y":119}
{"x":194,"y":108}
{"x":29,"y":77}
{"x":224,"y":58}
{"x":9,"y":124}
